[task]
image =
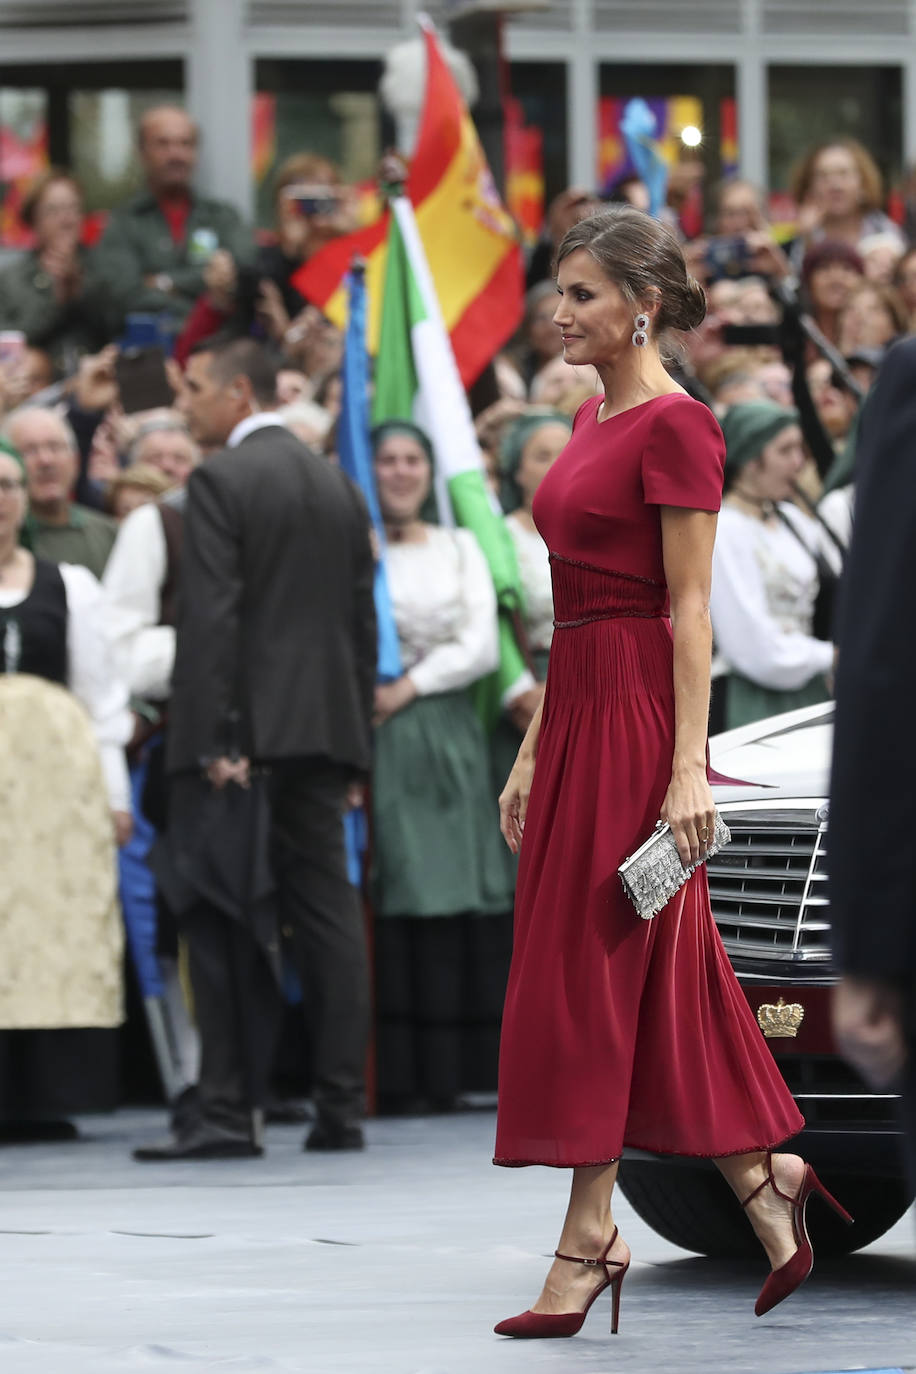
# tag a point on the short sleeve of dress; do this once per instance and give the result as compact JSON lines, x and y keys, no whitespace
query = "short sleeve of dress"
{"x":683,"y":462}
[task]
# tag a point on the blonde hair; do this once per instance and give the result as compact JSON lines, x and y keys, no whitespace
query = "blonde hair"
{"x":140,"y":477}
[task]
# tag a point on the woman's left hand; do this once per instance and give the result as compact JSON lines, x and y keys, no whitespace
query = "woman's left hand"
{"x":391,"y":697}
{"x":691,"y":812}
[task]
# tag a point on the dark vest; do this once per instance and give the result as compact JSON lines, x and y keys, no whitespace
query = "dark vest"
{"x":39,"y":624}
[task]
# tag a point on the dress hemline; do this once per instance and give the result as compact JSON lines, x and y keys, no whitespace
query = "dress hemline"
{"x":649,"y":1149}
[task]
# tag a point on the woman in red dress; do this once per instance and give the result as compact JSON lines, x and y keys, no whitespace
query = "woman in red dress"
{"x":619,"y":1031}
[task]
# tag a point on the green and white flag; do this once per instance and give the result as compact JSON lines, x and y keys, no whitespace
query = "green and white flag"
{"x":417,"y":379}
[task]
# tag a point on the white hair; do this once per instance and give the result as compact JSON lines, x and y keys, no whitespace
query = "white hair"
{"x":24,"y":411}
{"x":308,"y":413}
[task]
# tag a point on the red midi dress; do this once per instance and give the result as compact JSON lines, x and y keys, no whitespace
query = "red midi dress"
{"x":619,"y":1031}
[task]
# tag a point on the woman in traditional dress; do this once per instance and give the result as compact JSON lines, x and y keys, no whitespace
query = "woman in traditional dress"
{"x":440,"y":889}
{"x":619,"y":1031}
{"x":61,"y":942}
{"x":530,"y":446}
{"x":765,"y":571}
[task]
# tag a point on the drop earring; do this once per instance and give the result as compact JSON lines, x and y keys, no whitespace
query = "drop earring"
{"x":640,"y":337}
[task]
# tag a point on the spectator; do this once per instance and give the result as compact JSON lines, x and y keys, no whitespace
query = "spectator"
{"x":268,"y":526}
{"x":262,"y":298}
{"x":137,"y":485}
{"x":314,"y":346}
{"x":765,"y":571}
{"x":441,"y":890}
{"x":830,"y":272}
{"x":873,"y":316}
{"x":776,"y":380}
{"x":563,"y":212}
{"x":61,"y":531}
{"x":530,"y":447}
{"x":162,"y":441}
{"x":905,"y":282}
{"x":836,"y":406}
{"x":540,"y":338}
{"x":562,"y":386}
{"x":308,"y":421}
{"x":739,"y":208}
{"x":733,"y":378}
{"x":55,"y":293}
{"x":753,"y":303}
{"x":742,"y":241}
{"x":881,"y":253}
{"x":157,"y":245}
{"x":61,"y":940}
{"x":838,"y":189}
{"x":329,"y":391}
{"x":629,"y":190}
{"x":292,"y":385}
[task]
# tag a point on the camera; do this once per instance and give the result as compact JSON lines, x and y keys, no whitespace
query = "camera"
{"x":314,"y":199}
{"x":727,"y":256}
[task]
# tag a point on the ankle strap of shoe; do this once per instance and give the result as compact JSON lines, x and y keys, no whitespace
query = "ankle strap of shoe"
{"x":760,"y":1186}
{"x":594,"y":1263}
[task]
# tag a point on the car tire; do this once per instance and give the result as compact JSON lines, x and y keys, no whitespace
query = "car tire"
{"x":693,"y":1207}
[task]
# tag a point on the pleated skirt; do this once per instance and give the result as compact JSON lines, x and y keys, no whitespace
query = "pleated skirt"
{"x":618,"y":1031}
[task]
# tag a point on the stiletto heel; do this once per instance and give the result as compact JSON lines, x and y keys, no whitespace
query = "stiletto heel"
{"x":538,"y":1325}
{"x":793,"y":1273}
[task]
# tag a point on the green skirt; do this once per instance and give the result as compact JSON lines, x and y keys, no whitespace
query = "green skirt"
{"x":436,"y":841}
{"x":747,"y":701}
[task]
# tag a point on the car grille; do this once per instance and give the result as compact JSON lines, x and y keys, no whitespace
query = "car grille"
{"x":768,"y":887}
{"x":831,"y":1095}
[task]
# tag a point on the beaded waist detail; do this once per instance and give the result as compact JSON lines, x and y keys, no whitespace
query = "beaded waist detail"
{"x":584,"y":593}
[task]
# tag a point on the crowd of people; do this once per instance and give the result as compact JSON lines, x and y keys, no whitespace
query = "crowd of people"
{"x":99,"y":444}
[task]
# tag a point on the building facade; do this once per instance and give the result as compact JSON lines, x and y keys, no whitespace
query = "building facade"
{"x":759,"y":78}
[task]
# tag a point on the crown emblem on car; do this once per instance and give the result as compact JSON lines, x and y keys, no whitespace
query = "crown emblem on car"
{"x":780,"y":1022}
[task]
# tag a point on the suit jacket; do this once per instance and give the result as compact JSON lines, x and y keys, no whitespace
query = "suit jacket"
{"x":276,"y":616}
{"x":872,"y":840}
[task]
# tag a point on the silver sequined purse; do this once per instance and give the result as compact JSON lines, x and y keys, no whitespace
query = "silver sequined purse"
{"x":653,"y":874}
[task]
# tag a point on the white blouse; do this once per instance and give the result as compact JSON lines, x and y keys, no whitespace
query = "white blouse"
{"x":444,"y":608}
{"x":764,"y":586}
{"x":144,"y":650}
{"x":836,"y":510}
{"x":534,"y":568}
{"x":91,"y":674}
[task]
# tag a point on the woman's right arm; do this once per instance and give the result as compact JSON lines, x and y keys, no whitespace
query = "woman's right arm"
{"x":513,"y":802}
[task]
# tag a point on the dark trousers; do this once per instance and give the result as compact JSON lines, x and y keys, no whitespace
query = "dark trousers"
{"x":236,"y":999}
{"x":440,"y":983}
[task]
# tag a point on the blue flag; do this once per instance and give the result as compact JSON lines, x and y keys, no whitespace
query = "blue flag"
{"x":638,"y":126}
{"x":356,"y":460}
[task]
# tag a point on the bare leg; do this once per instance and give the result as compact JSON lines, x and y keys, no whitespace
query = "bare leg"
{"x":769,"y":1214}
{"x":587,"y":1229}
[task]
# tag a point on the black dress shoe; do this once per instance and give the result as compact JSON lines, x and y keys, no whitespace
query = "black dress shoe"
{"x":202,"y":1144}
{"x":282,"y":1111}
{"x":329,"y":1135}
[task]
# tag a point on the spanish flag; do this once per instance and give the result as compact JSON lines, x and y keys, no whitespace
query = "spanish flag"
{"x":470,"y":241}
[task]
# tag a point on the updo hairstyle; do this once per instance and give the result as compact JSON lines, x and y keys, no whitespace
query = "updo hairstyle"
{"x":637,"y":252}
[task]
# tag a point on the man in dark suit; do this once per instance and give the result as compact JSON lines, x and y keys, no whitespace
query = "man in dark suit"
{"x":873,"y":800}
{"x":271,"y":704}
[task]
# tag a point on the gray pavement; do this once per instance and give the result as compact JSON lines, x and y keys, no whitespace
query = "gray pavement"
{"x":398,"y":1261}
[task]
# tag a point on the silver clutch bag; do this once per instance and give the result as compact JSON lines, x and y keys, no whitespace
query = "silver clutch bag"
{"x":653,"y":874}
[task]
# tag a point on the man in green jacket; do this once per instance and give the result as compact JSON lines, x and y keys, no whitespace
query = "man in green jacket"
{"x":157,"y":244}
{"x":60,"y":530}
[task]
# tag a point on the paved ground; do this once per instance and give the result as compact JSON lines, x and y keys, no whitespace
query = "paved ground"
{"x":393,"y":1262}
